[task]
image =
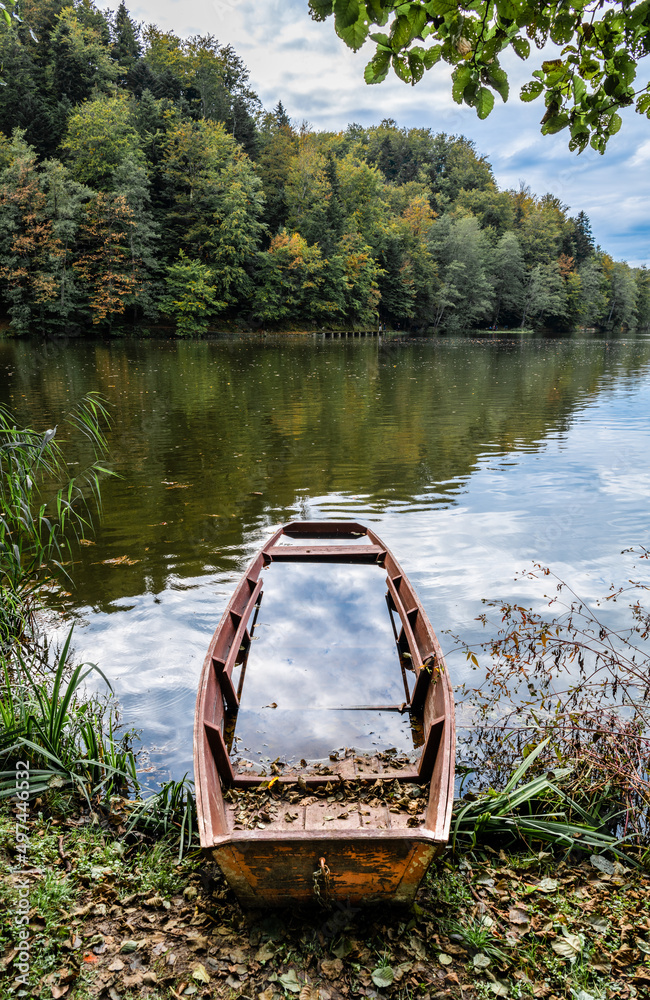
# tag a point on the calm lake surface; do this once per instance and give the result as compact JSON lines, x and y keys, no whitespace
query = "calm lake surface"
{"x":471,"y":458}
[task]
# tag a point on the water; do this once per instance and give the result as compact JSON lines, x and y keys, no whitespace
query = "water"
{"x":323,"y":648}
{"x":470,"y":458}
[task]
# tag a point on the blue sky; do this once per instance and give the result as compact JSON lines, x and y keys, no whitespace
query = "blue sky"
{"x":319,"y":80}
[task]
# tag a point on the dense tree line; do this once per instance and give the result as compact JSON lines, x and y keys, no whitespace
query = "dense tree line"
{"x":141,"y":181}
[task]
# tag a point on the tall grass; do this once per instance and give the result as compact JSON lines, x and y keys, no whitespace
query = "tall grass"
{"x":43,"y":510}
{"x":46,"y":717}
{"x":70,"y":742}
{"x":61,"y":732}
{"x":539,"y":810}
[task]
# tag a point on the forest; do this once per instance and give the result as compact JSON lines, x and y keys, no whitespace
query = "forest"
{"x":143,"y":186}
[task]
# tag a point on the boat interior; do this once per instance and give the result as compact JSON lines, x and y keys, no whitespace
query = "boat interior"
{"x":306,"y":662}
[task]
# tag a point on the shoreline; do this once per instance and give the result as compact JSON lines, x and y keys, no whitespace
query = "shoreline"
{"x":112,"y":915}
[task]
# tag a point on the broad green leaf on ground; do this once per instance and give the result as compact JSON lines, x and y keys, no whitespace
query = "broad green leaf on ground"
{"x":382,"y":977}
{"x":290,"y":982}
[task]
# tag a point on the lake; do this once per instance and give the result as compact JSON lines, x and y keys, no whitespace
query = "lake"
{"x":471,"y":458}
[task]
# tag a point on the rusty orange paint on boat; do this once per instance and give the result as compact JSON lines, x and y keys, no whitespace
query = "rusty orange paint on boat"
{"x":368,"y":859}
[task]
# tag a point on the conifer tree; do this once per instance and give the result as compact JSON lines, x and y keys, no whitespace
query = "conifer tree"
{"x":583,"y":240}
{"x":126,"y":47}
{"x":282,"y":119}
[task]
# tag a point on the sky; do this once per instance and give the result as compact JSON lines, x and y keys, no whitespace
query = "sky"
{"x":319,"y":80}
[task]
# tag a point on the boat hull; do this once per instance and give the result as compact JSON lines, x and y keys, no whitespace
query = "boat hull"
{"x":369,"y":854}
{"x":362,"y":871}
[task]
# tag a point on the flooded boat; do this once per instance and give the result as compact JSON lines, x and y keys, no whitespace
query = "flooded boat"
{"x":362,"y":822}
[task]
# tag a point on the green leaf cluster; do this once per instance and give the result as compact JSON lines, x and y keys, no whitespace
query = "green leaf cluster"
{"x":584,"y":88}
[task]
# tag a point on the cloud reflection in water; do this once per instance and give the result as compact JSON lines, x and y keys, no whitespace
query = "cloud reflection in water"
{"x":323,"y":640}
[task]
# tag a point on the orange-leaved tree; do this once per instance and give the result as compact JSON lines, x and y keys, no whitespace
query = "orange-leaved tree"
{"x":104,"y":264}
{"x":30,"y":253}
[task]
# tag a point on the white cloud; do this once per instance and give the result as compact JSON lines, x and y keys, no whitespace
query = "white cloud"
{"x":304,"y":64}
{"x":642,"y":155}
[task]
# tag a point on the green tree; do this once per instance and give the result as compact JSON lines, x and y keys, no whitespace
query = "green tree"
{"x":360,"y":274}
{"x":29,"y":98}
{"x":335,"y":215}
{"x":396,"y":280}
{"x":20,"y":101}
{"x":213,"y":78}
{"x":81,"y":66}
{"x":65,"y":205}
{"x":191,"y":299}
{"x":360,"y":191}
{"x":400,"y":241}
{"x":292,"y":282}
{"x":465,"y":293}
{"x":544,"y":295}
{"x":400,"y":154}
{"x":104,"y":150}
{"x":593,"y":297}
{"x":583,"y":240}
{"x":152,"y":119}
{"x":216,"y":202}
{"x":455,"y":166}
{"x":277,"y":149}
{"x":308,"y":190}
{"x":492,"y":208}
{"x":236,"y":229}
{"x":126,"y":47}
{"x":622,"y":294}
{"x":131,"y":183}
{"x":101,"y":135}
{"x":584,"y":84}
{"x":281,"y":117}
{"x":195,"y":154}
{"x":540,"y":232}
{"x":642,"y":277}
{"x":508,"y":275}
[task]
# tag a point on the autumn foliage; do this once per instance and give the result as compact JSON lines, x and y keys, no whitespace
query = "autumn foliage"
{"x":129,"y":156}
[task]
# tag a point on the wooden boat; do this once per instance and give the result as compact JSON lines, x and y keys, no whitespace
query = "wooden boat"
{"x":367,"y":854}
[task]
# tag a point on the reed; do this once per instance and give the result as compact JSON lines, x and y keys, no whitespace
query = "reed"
{"x":43,"y":510}
{"x":46,"y":716}
{"x":67,"y":737}
{"x":169,"y":812}
{"x":71,"y":744}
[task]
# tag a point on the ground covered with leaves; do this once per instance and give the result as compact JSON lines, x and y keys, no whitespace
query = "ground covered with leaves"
{"x":113,"y":919}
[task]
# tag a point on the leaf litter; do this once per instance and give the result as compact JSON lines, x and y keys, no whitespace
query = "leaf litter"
{"x":257,"y":807}
{"x":476,"y":930}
